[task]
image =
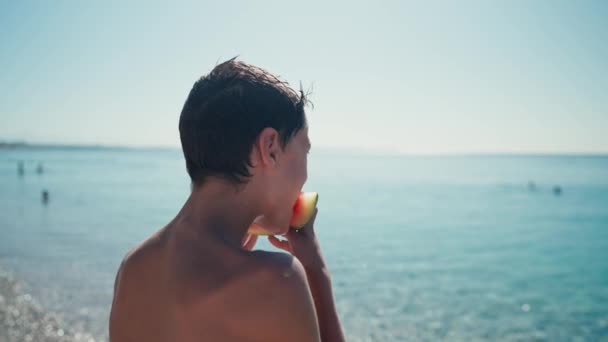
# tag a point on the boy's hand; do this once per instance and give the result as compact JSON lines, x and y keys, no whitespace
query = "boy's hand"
{"x":302,"y":244}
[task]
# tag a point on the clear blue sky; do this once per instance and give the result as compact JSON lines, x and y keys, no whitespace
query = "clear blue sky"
{"x":413,"y":77}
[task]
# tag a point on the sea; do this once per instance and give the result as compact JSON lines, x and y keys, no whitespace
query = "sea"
{"x":420,"y":248}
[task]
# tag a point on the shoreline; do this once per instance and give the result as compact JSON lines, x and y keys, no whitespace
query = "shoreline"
{"x":23,"y":319}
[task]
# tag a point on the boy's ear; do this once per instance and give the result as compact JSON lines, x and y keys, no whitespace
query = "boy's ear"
{"x":267,"y":147}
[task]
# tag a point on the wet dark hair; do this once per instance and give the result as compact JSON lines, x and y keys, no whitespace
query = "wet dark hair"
{"x":226,"y":111}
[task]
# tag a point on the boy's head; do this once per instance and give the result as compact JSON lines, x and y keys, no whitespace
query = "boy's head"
{"x":239,"y":121}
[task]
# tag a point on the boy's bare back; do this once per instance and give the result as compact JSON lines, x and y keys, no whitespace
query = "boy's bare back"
{"x":170,"y":289}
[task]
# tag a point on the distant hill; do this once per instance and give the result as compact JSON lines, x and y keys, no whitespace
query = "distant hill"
{"x":11,"y":145}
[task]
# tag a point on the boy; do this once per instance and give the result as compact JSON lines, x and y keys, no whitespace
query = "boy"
{"x":245,"y":141}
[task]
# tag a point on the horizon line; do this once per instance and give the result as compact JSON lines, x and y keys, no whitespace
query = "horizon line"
{"x":4,"y":145}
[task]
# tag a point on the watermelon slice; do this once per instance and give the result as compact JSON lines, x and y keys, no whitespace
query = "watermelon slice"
{"x":303,"y":210}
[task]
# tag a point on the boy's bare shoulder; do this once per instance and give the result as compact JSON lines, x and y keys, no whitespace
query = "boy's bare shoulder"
{"x":138,"y":258}
{"x":272,"y":261}
{"x":273,"y":273}
{"x":276,"y":292}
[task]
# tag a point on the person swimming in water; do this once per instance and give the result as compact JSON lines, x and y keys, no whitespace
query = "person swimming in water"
{"x":244,"y":137}
{"x":557,"y":190}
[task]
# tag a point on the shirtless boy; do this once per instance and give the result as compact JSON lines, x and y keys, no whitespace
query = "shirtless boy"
{"x":244,"y":136}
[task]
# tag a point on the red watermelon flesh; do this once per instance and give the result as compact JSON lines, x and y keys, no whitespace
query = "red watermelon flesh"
{"x":303,"y":209}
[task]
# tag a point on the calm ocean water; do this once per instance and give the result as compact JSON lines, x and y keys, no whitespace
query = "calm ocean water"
{"x":420,"y":248}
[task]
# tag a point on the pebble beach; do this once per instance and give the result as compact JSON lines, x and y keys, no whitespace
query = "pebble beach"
{"x":23,"y":319}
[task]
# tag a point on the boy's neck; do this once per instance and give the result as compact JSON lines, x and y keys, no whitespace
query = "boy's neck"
{"x":219,"y":210}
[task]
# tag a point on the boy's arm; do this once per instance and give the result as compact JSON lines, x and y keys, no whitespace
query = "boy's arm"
{"x":304,"y":245}
{"x":319,"y":281}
